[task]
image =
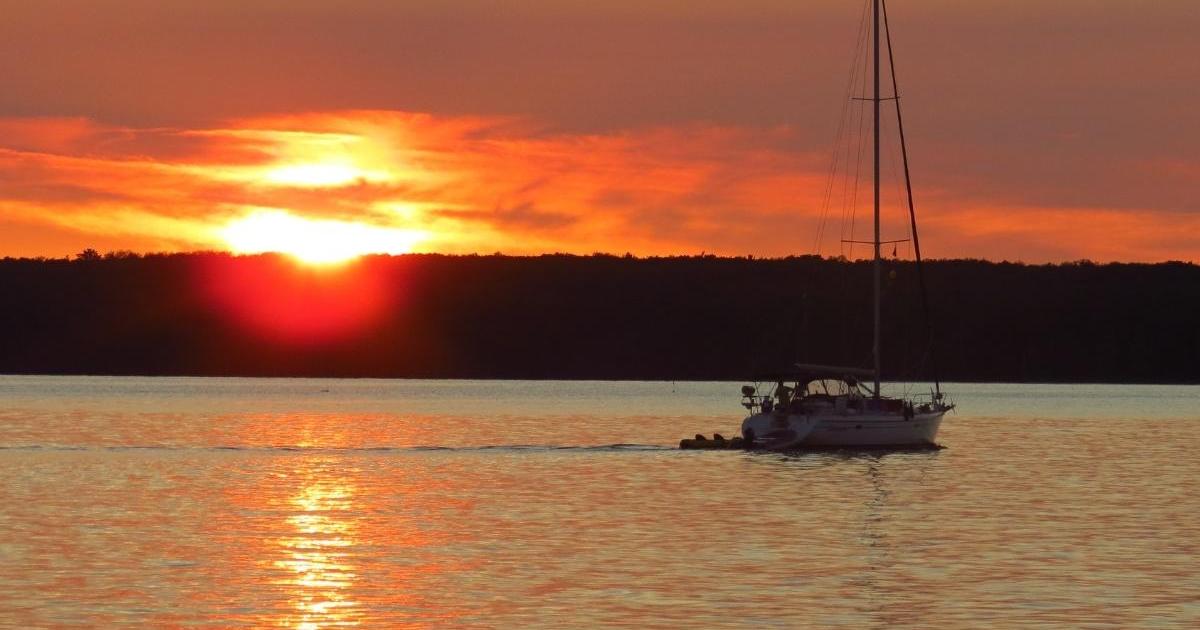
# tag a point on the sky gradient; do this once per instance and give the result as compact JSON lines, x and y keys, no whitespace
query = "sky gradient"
{"x":1038,"y":131}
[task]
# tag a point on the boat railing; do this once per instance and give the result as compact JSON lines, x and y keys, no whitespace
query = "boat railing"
{"x":929,"y":400}
{"x":752,"y":400}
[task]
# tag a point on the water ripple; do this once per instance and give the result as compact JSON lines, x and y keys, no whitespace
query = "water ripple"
{"x":126,"y":510}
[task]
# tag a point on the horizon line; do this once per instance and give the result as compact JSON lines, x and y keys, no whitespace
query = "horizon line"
{"x":93,"y":255}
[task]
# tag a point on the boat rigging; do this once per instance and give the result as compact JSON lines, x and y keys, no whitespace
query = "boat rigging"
{"x":827,"y":406}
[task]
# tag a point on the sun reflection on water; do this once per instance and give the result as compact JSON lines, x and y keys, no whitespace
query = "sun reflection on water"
{"x":319,"y":557}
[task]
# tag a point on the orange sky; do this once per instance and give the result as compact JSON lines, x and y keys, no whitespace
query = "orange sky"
{"x":1038,"y":133}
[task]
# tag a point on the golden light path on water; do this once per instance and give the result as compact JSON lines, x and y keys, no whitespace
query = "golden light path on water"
{"x":320,"y":554}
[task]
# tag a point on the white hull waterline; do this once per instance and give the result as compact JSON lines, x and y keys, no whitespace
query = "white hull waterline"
{"x":783,"y":431}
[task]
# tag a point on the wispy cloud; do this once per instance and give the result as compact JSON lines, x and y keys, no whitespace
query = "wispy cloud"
{"x":483,"y":184}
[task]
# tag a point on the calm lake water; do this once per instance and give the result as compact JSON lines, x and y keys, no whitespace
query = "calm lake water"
{"x":454,"y":504}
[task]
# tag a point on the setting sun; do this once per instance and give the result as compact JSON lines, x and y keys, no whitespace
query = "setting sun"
{"x":320,"y":175}
{"x":314,"y":241}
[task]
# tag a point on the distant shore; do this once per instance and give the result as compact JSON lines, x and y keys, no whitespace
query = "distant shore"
{"x":561,"y":317}
{"x":546,"y":380}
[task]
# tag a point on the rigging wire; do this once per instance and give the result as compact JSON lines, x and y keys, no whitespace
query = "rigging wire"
{"x":845,"y":123}
{"x":850,"y":201}
{"x":862,"y":66}
{"x":850,"y":141}
{"x":841,"y":151}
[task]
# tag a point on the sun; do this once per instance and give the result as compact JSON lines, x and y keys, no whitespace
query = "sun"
{"x":320,"y":175}
{"x":314,"y":241}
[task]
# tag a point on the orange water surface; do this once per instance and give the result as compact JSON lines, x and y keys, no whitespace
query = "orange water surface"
{"x":472,"y":504}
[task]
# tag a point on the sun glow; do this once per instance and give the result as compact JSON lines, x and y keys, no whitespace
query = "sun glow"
{"x":320,"y":175}
{"x":313,"y":241}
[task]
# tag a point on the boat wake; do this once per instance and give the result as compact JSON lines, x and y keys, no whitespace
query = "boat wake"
{"x":492,"y":448}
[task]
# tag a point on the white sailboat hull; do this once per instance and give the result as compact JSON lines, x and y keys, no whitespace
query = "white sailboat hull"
{"x":781,"y":431}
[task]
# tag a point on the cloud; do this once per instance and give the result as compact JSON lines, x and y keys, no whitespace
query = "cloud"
{"x":667,"y":126}
{"x":483,"y":184}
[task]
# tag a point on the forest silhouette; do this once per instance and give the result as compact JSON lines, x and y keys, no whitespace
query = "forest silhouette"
{"x":610,"y":317}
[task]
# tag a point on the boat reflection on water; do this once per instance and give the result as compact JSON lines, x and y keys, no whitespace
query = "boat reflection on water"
{"x":894,"y":542}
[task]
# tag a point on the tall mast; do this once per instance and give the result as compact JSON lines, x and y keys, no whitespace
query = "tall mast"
{"x":878,"y":265}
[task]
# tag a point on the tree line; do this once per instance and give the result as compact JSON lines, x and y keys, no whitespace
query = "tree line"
{"x":604,"y":317}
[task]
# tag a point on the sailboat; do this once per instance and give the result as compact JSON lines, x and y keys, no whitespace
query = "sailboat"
{"x":823,"y":406}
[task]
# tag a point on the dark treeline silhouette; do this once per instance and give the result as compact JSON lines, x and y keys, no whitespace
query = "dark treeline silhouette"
{"x":599,"y":317}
